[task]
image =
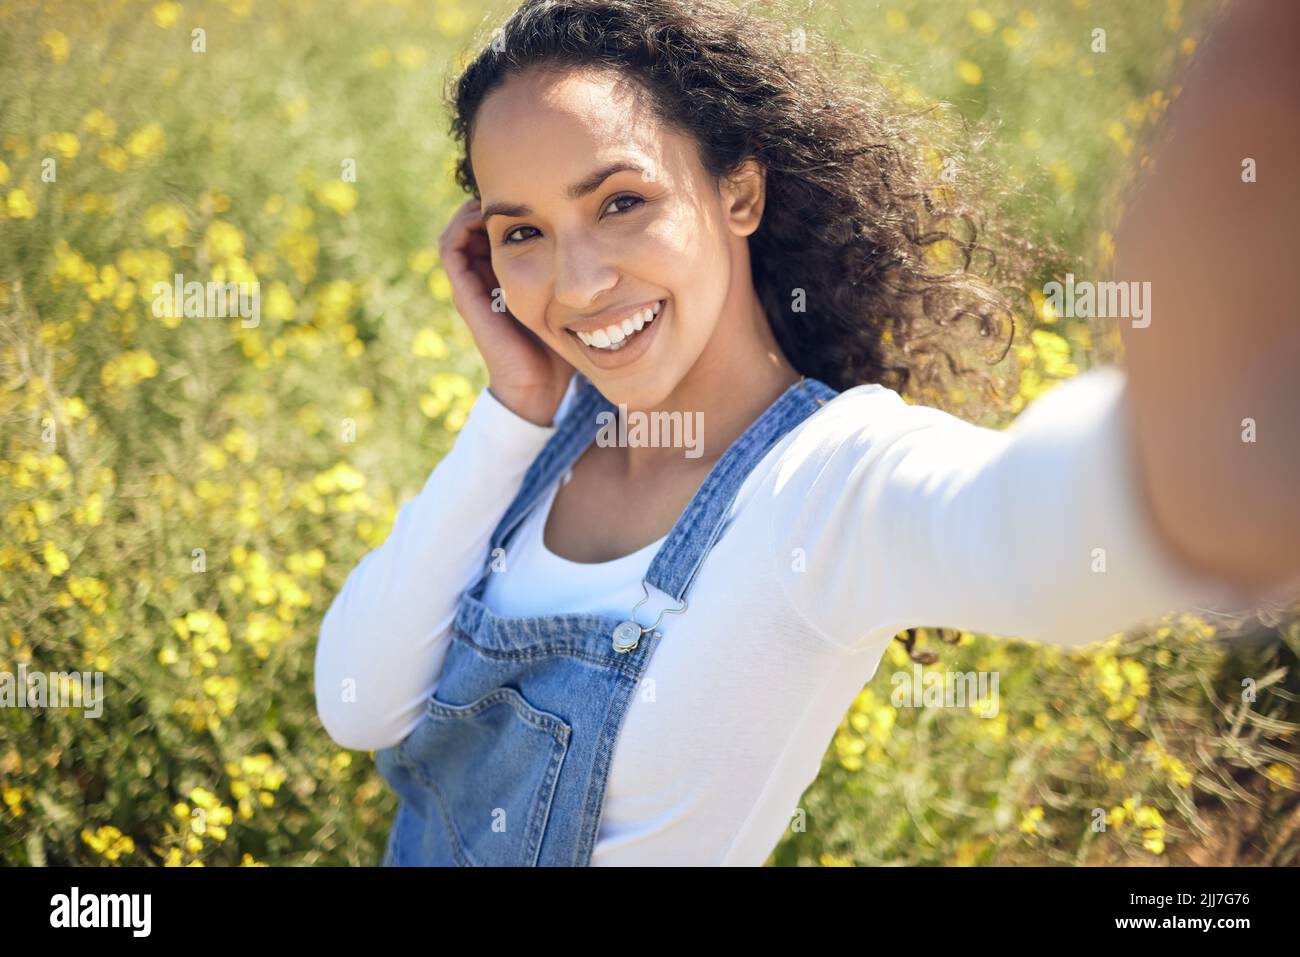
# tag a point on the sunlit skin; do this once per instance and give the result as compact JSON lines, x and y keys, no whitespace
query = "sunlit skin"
{"x":665,"y":231}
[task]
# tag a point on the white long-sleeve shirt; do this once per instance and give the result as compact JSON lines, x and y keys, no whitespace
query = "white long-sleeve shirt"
{"x":869,"y":517}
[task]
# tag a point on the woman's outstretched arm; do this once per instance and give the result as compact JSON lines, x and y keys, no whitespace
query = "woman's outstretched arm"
{"x":1121,"y":494}
{"x":1214,"y":379}
{"x":888,"y":516}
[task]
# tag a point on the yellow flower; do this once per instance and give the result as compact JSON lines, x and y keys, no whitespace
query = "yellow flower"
{"x":65,"y":142}
{"x":1113,"y":770}
{"x":108,"y":842}
{"x":19,"y":205}
{"x":981,"y":20}
{"x":128,"y":369}
{"x":429,"y":345}
{"x":338,"y":196}
{"x":169,"y":219}
{"x":13,"y":797}
{"x":56,"y":45}
{"x":56,"y":560}
{"x":421,"y":261}
{"x":165,"y":13}
{"x":440,"y":286}
{"x":1106,"y":245}
{"x":1116,"y":131}
{"x":224,"y":241}
{"x":212,"y":457}
{"x":1178,"y":772}
{"x":99,"y":123}
{"x":113,"y":157}
{"x":970,"y":72}
{"x":1029,"y":823}
{"x":146,"y":142}
{"x":828,"y":859}
{"x":1280,"y":776}
{"x":1063,"y":175}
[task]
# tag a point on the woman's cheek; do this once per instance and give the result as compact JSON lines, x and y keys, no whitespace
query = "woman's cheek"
{"x":516,"y":291}
{"x":682,"y":232}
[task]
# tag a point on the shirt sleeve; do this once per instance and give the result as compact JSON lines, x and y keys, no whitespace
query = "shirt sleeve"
{"x":384,"y":638}
{"x":896,"y":516}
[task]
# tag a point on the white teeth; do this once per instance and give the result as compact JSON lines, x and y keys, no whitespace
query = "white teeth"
{"x":615,"y":336}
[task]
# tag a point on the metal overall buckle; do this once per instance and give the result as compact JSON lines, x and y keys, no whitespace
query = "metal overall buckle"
{"x":627,"y":634}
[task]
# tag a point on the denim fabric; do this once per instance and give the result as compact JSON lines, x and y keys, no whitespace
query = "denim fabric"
{"x":509,"y":763}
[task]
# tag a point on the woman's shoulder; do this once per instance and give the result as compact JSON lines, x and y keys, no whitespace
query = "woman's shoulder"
{"x":862,"y":415}
{"x":871,"y":428}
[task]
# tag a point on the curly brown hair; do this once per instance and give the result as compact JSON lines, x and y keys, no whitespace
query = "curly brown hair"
{"x":861,"y":225}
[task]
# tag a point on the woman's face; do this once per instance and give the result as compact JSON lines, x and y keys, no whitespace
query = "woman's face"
{"x":610,"y":241}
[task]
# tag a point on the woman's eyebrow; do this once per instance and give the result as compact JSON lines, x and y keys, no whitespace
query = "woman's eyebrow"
{"x":591,"y":182}
{"x":588,"y":184}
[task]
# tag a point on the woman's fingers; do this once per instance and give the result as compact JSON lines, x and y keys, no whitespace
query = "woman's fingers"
{"x":462,"y":247}
{"x":478,"y":252}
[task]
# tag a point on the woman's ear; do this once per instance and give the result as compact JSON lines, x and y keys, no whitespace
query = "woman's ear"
{"x":743,"y":193}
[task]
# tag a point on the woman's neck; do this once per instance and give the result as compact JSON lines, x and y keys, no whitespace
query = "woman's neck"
{"x":739,"y":374}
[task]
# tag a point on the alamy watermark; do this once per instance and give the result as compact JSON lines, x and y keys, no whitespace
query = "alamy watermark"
{"x":1100,"y":300}
{"x":199,"y":300}
{"x":684,"y":430}
{"x":130,"y":911}
{"x":55,"y":689}
{"x":946,"y":689}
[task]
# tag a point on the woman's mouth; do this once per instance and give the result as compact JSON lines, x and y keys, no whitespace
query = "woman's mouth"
{"x":616,"y":335}
{"x":620,"y":343}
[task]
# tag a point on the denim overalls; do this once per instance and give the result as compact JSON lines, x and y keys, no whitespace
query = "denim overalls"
{"x":509,"y":762}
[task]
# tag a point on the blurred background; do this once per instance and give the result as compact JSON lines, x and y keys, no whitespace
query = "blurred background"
{"x":181,"y":498}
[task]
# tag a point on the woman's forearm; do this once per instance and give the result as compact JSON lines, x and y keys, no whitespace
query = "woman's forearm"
{"x":1214,"y":378}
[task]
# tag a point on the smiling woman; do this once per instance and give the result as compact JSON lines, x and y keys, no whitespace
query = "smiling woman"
{"x":624,"y":227}
{"x":573,"y":651}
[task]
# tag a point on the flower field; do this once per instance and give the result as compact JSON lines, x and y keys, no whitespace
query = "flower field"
{"x":181,"y":497}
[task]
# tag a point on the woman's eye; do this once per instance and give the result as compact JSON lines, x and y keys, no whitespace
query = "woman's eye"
{"x":508,"y":241}
{"x":634,"y":199}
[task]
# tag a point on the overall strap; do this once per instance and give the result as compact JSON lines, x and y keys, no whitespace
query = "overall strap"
{"x":683,"y":552}
{"x":577,"y":430}
{"x":692,"y":537}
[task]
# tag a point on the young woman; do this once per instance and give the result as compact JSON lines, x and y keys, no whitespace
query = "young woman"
{"x":578,"y":651}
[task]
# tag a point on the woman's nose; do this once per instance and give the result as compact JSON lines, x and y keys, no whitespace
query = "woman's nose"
{"x":582,"y":273}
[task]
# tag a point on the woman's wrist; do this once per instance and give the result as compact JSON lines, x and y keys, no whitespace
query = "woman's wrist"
{"x":537,"y":410}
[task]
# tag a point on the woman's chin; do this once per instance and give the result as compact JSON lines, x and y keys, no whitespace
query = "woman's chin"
{"x":644,"y":391}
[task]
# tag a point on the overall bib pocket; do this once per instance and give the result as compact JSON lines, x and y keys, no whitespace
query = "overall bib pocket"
{"x":491,"y":767}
